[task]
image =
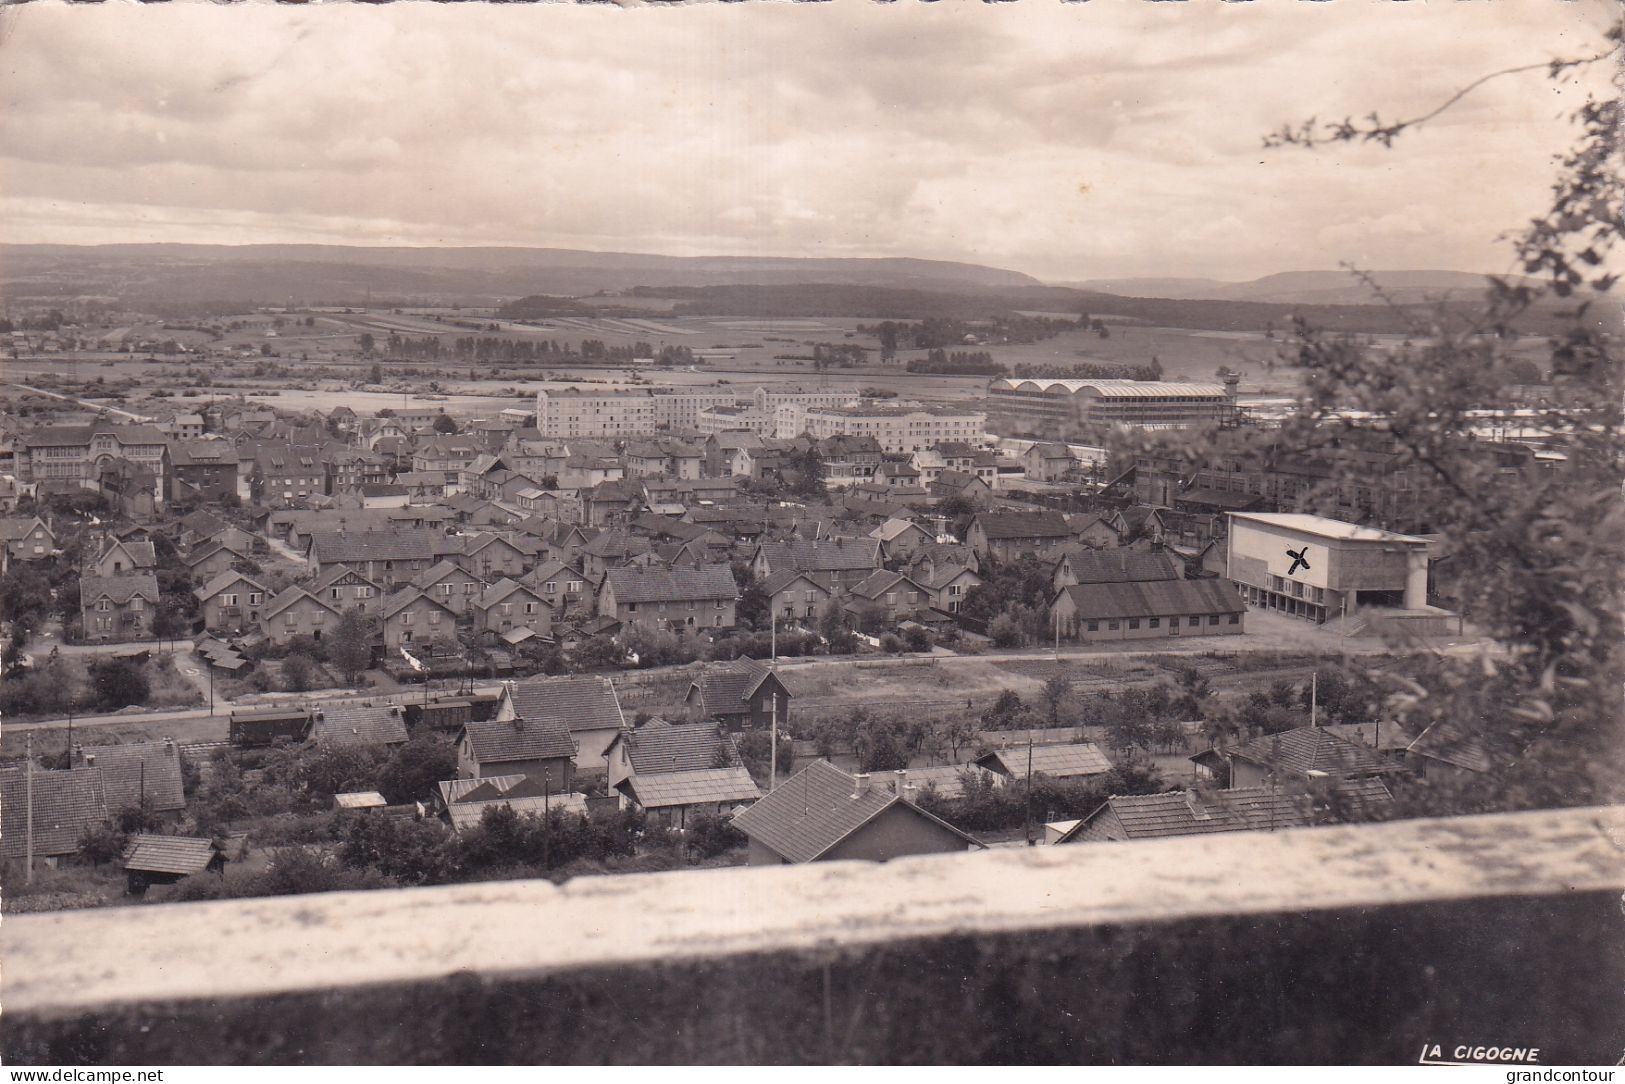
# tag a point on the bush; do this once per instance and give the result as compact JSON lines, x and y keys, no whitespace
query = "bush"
{"x":298,"y":673}
{"x":710,"y":835}
{"x":118,"y":684}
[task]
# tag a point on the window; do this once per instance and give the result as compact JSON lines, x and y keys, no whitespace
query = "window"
{"x":445,"y":589}
{"x":575,"y":585}
{"x":1235,"y":619}
{"x":290,"y":619}
{"x":1213,"y":619}
{"x":434,"y":617}
{"x":336,"y":593}
{"x":1094,"y":626}
{"x":363,"y":592}
{"x":549,"y":587}
{"x":1194,"y":621}
{"x":1112,"y":625}
{"x":632,"y":607}
{"x":1156,"y":622}
{"x":406,"y":618}
{"x":104,"y":605}
{"x":228,"y":600}
{"x":255,"y":598}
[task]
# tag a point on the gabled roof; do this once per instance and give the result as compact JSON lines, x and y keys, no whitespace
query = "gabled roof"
{"x":1018,"y":525}
{"x":392,"y":545}
{"x":65,"y":803}
{"x":694,"y":583}
{"x":1056,"y":761}
{"x":814,"y":810}
{"x":339,"y":572}
{"x":357,"y":722}
{"x":880,"y":581}
{"x":506,"y":741}
{"x":1154,"y":598}
{"x":703,"y":787}
{"x":503,"y":589}
{"x":198,"y":554}
{"x":129,"y":771}
{"x":120,"y":589}
{"x":947,"y":780}
{"x":184,"y":855}
{"x":1311,"y":748}
{"x":1121,"y":566}
{"x":1452,"y":744}
{"x":142,"y":554}
{"x":660,"y":747}
{"x":822,"y":555}
{"x":778,"y":581}
{"x":585,"y":703}
{"x":291,"y":595}
{"x":548,"y":569}
{"x":616,"y":544}
{"x":1192,"y":813}
{"x":225,"y":579}
{"x":466,"y":815}
{"x":405,"y":597}
{"x":725,"y":688}
{"x":439,"y":571}
{"x":457,"y":790}
{"x":892,"y":529}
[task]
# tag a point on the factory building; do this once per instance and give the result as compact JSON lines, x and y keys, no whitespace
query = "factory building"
{"x":1062,"y":409}
{"x":1320,"y":569}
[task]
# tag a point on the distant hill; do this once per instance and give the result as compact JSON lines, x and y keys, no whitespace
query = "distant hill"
{"x":881,"y":303}
{"x":1306,"y":287}
{"x":273,"y":274}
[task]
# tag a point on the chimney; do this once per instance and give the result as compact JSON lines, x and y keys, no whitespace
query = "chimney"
{"x":900,"y":785}
{"x":90,"y":760}
{"x":1194,"y":801}
{"x":320,"y":716}
{"x":860,"y":784}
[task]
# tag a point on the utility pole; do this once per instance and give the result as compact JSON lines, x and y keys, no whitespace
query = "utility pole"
{"x":773,"y":740}
{"x":28,"y":800}
{"x":1029,"y":815}
{"x":1314,"y":696}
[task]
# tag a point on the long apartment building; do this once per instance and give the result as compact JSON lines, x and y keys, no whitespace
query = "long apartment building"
{"x":620,"y":412}
{"x":896,"y":427}
{"x":1060,"y":409}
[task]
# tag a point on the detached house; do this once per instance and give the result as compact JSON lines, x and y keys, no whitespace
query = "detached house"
{"x":297,"y":612}
{"x":118,"y":607}
{"x":451,"y":586}
{"x":121,"y":556}
{"x":564,"y":587}
{"x":512,"y":611}
{"x":822,"y":814}
{"x":586,"y":707}
{"x":893,"y":594}
{"x":675,"y":773}
{"x":346,"y":589}
{"x":413,"y":618}
{"x":231,"y":602}
{"x":27,"y":538}
{"x":211,"y":559}
{"x":538,"y":748}
{"x":794,"y":595}
{"x":740,"y":695}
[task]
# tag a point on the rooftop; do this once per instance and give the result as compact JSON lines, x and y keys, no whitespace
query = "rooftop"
{"x":1324,"y":527}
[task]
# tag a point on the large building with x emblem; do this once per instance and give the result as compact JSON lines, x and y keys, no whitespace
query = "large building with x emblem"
{"x":1322,"y":569}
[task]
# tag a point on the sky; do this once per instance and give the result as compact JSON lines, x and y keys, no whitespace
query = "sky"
{"x":1072,"y":141}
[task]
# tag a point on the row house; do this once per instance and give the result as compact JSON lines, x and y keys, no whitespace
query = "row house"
{"x":231,"y":602}
{"x":387,"y":558}
{"x":118,"y":607}
{"x":894,"y":595}
{"x":348,"y":469}
{"x":212,"y":558}
{"x":677,"y":600}
{"x":849,"y":459}
{"x":491,"y":556}
{"x":1005,"y":536}
{"x":841,"y":562}
{"x":795,"y":596}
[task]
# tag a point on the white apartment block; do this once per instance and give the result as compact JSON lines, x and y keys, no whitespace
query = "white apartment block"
{"x":629,"y":411}
{"x":898,"y":427}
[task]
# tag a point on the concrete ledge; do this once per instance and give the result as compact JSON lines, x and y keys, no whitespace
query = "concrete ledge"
{"x":1086,"y":952}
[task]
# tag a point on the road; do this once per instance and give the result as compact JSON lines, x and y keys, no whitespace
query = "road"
{"x":97,"y":407}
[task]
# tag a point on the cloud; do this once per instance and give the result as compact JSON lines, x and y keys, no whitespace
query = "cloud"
{"x":1067,"y":140}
